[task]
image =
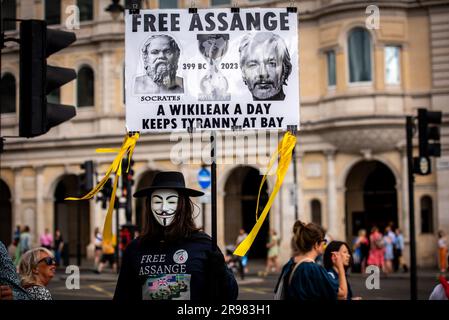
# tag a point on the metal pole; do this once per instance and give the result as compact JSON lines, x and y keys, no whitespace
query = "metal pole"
{"x":411,"y":199}
{"x":213,"y":168}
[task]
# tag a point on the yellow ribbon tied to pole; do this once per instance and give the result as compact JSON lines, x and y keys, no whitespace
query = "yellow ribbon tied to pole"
{"x":284,"y":151}
{"x":129,"y":143}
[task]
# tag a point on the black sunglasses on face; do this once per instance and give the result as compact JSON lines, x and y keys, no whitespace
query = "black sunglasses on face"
{"x":48,"y":261}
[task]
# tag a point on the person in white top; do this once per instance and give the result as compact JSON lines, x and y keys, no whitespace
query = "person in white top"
{"x":98,"y":241}
{"x":442,"y":250}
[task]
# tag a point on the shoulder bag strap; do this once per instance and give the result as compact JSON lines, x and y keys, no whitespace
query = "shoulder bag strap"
{"x":296,"y":266}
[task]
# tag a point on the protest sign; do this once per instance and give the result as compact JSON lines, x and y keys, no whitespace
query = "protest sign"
{"x":212,"y":70}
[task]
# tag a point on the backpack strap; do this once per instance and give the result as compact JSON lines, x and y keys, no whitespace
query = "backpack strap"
{"x":296,"y":266}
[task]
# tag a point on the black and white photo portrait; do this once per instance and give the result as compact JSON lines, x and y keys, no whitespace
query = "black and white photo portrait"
{"x":160,"y":55}
{"x":265,"y":65}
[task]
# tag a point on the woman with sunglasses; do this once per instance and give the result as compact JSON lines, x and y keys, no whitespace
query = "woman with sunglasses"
{"x":36,"y":268}
{"x":306,"y":280}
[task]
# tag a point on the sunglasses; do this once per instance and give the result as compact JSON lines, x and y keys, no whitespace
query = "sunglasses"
{"x":48,"y":261}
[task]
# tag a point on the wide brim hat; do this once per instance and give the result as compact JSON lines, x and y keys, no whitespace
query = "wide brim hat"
{"x":168,"y":180}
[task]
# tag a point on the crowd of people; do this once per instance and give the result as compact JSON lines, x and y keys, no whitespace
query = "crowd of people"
{"x":382,"y":250}
{"x":173,"y":259}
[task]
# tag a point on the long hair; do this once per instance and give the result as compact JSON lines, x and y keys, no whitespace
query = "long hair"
{"x":335,"y":246}
{"x":27,"y":263}
{"x":182,"y":226}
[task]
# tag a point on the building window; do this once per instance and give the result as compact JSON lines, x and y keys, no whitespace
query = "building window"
{"x":392,"y":65}
{"x":331,"y":75}
{"x":426,"y":215}
{"x":85,"y":87}
{"x":86,"y":9}
{"x":359,"y":52}
{"x":315,"y":206}
{"x":220,"y":2}
{"x":9,"y":12}
{"x":168,"y":4}
{"x":53,"y":11}
{"x":8,"y":93}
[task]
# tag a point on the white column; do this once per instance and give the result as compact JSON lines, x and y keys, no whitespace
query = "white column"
{"x":41,"y":219}
{"x":404,"y":223}
{"x":18,"y":196}
{"x":332,"y":195}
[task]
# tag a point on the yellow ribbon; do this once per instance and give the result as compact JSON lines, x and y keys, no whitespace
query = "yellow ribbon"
{"x":129,"y":143}
{"x":284,"y":151}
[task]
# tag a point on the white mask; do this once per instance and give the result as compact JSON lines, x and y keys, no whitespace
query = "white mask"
{"x":164,"y":203}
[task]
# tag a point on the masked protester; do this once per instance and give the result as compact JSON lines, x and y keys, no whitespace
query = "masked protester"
{"x":172,"y":259}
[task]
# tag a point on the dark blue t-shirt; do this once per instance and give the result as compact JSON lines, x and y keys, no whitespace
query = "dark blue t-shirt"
{"x":168,"y":271}
{"x":334,"y":276}
{"x":311,"y":282}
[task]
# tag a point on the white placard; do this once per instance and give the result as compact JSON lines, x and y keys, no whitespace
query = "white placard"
{"x":213,"y":70}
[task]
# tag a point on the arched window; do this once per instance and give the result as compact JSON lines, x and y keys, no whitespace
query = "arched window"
{"x":85,"y":87}
{"x":315,"y":207}
{"x":86,"y":9}
{"x":8,"y":93}
{"x":359,"y":53}
{"x":53,"y":11}
{"x":9,"y":11}
{"x":426,"y":215}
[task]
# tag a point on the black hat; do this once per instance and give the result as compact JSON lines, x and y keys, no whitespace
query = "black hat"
{"x":168,"y":180}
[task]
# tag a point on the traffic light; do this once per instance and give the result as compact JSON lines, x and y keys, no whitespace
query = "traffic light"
{"x":105,"y":194}
{"x":87,"y":176}
{"x":37,"y":79}
{"x":428,"y":129}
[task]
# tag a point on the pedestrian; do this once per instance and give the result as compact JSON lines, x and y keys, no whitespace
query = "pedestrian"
{"x":272,"y":264}
{"x":441,"y":290}
{"x":388,"y":252}
{"x":303,"y":279}
{"x":376,"y":251}
{"x":361,"y":250}
{"x":442,"y":251}
{"x":98,"y":242}
{"x":47,"y":240}
{"x":242,"y":261}
{"x":25,"y":240}
{"x":172,"y":259}
{"x":17,"y":233}
{"x":37,"y":268}
{"x":107,"y":256}
{"x":332,"y":269}
{"x":400,"y":249}
{"x":125,"y":238}
{"x":10,"y":288}
{"x":58,"y":246}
